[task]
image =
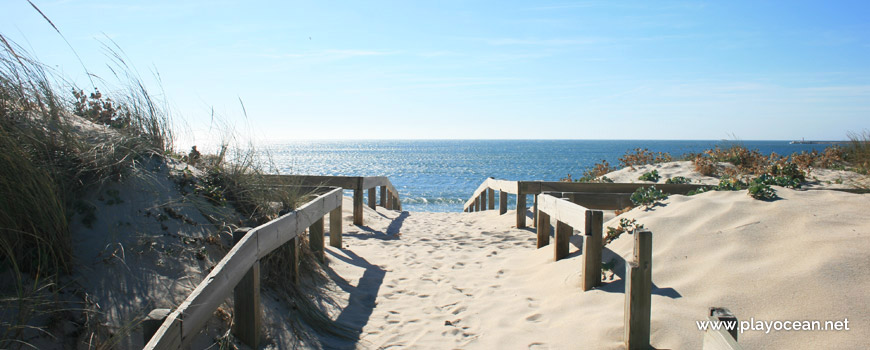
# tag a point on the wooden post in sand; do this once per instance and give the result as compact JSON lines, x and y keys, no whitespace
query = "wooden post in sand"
{"x":477,"y":203}
{"x":638,"y":289}
{"x":592,"y":249}
{"x":295,"y":258}
{"x":373,"y":193}
{"x":483,"y":201}
{"x":502,"y":202}
{"x":543,"y":228}
{"x":315,"y":238}
{"x":384,"y":197}
{"x":535,"y":212}
{"x":246,"y":296}
{"x":521,"y":210}
{"x":491,"y":194}
{"x":357,"y":207}
{"x":335,"y":226}
{"x":562,"y":240}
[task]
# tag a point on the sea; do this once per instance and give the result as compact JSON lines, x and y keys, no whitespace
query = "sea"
{"x":440,"y":175}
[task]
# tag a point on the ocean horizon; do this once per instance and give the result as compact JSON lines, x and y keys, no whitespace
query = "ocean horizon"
{"x":440,"y":175}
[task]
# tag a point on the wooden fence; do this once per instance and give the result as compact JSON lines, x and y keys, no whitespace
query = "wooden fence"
{"x":238,"y":272}
{"x":389,"y":196}
{"x":604,"y":196}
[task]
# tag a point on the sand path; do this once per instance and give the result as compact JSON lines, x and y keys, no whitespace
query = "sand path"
{"x":433,"y":280}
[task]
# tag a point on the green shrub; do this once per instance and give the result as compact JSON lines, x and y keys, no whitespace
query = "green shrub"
{"x":650,"y":176}
{"x":647,"y":196}
{"x":784,"y":181}
{"x":762,"y":192}
{"x":678,"y":180}
{"x":730,"y":184}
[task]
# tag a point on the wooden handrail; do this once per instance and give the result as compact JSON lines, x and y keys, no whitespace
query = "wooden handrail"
{"x":606,"y":196}
{"x":389,"y":197}
{"x":187,"y":320}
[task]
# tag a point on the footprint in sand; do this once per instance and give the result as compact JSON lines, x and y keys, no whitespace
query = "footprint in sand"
{"x":538,"y":346}
{"x":533,"y":303}
{"x":534,"y":318}
{"x":458,"y":265}
{"x":499,"y":273}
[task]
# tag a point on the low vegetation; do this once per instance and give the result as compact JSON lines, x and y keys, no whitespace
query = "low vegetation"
{"x":647,"y":197}
{"x":60,"y":143}
{"x":626,"y":225}
{"x":650,"y":176}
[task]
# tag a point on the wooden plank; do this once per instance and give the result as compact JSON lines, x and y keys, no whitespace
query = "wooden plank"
{"x":535,"y":211}
{"x":543,"y":228}
{"x":168,"y":336}
{"x":521,"y":211}
{"x":226,"y":275}
{"x":529,"y":187}
{"x":483,"y":197}
{"x":372,"y":194}
{"x":247,"y":314}
{"x":315,"y":239}
{"x":208,"y":295}
{"x":477,"y":203}
{"x":602,"y":201}
{"x":335,"y":227}
{"x":295,"y":258}
{"x":638,"y":289}
{"x":612,"y":187}
{"x":592,"y":249}
{"x":502,"y":202}
{"x":384,"y":196}
{"x":562,"y":240}
{"x":562,"y":210}
{"x":358,"y":207}
{"x":490,"y":194}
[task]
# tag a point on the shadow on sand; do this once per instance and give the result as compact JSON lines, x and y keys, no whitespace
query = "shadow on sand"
{"x":618,"y":286}
{"x":392,"y":230}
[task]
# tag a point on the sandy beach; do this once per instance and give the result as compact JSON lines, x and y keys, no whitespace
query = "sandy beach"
{"x":470,"y":281}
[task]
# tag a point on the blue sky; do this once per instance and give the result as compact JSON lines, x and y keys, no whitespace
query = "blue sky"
{"x":481,"y":70}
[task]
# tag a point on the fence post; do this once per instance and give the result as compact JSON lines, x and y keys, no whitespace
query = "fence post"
{"x":483,"y":205}
{"x":543,"y":228}
{"x":357,"y":207}
{"x":477,"y":203}
{"x":246,"y":296}
{"x":373,"y":193}
{"x":384,"y":197}
{"x":315,"y":238}
{"x":502,"y":202}
{"x":638,"y":289}
{"x":535,"y":211}
{"x":335,"y":226}
{"x":562,"y":240}
{"x":295,"y":258}
{"x":491,"y":194}
{"x":592,"y":249}
{"x":521,"y":209}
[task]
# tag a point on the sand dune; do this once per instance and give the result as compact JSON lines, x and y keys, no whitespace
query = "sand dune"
{"x":439,"y":281}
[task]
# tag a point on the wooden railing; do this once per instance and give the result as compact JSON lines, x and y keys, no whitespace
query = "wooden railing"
{"x":604,"y":196}
{"x":638,"y":272}
{"x":241,"y":264}
{"x":389,"y":196}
